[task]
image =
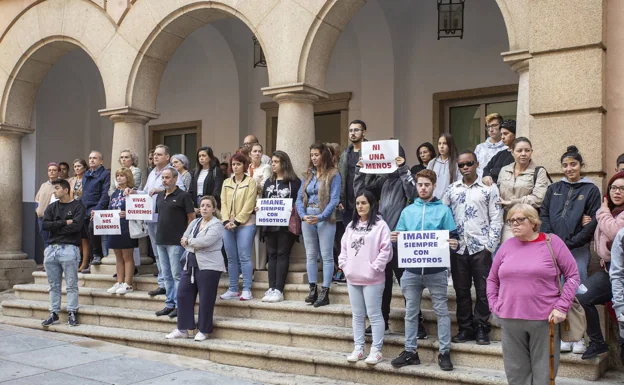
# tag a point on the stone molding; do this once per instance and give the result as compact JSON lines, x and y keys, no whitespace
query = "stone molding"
{"x":518,"y":60}
{"x":128,"y":114}
{"x":10,"y":129}
{"x":295,"y":89}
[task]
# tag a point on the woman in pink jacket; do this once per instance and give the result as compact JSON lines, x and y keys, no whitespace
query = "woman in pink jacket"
{"x":610,"y":221}
{"x":366,"y":249}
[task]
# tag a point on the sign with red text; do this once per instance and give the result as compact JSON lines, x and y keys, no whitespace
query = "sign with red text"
{"x":106,"y":222}
{"x":379,"y":157}
{"x":139,"y":207}
{"x":418,"y":249}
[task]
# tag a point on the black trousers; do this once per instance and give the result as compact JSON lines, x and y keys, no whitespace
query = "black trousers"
{"x":340,"y":230}
{"x":95,"y":241}
{"x":598,"y":293}
{"x":278,"y":244}
{"x":391,"y":267}
{"x":465,"y":269}
{"x":206,"y":284}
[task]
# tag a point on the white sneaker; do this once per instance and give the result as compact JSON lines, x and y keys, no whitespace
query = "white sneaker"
{"x":566,"y":347}
{"x":578,"y":347}
{"x":356,"y":355}
{"x":113,"y":289}
{"x":124,"y":288}
{"x":374,"y":357}
{"x":277,"y":296}
{"x":200,"y":337}
{"x":267,"y":295}
{"x":246,"y":296}
{"x":229,"y":295}
{"x":177,"y":334}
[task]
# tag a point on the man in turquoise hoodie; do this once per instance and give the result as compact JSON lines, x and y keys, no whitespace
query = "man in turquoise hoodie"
{"x":426,"y":213}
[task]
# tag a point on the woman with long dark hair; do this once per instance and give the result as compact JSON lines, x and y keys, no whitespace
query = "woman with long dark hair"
{"x":316,"y":205}
{"x":283,"y":183}
{"x":366,"y":249}
{"x":445,"y":165}
{"x":425,"y":154}
{"x":207,"y":177}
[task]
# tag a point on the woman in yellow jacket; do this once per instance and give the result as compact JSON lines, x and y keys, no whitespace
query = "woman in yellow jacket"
{"x":238,"y":200}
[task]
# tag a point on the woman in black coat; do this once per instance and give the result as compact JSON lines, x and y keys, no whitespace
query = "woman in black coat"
{"x":207,"y":177}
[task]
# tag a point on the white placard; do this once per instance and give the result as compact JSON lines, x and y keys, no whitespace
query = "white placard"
{"x":424,"y":249}
{"x":273,"y":211}
{"x":139,"y":207}
{"x":106,"y":222}
{"x":379,"y":157}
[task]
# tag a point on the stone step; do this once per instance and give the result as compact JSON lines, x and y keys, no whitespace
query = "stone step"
{"x":303,"y":361}
{"x":327,"y":338}
{"x":294,"y":311}
{"x":106,"y":269}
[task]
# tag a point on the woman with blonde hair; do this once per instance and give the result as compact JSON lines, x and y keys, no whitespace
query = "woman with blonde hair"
{"x":75,"y":184}
{"x":130,"y":160}
{"x":523,"y":291}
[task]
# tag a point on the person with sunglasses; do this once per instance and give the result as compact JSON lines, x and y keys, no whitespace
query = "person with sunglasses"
{"x":479,"y":221}
{"x":523,"y":291}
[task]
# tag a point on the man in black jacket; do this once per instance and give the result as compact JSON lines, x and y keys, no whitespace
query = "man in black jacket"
{"x":502,"y":158}
{"x":64,"y":220}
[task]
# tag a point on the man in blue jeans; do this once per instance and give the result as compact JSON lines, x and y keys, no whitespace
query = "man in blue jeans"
{"x":64,"y":220}
{"x":175,"y":212}
{"x":426,"y":213}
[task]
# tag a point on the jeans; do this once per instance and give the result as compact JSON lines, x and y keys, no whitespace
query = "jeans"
{"x":465,"y":269}
{"x":412,"y":286}
{"x":59,"y":259}
{"x":319,"y":239}
{"x":238,"y":244}
{"x":598,"y":293}
{"x":45,"y":234}
{"x":392,"y":266}
{"x":151,"y":231}
{"x":278,"y":245}
{"x":366,"y":300}
{"x":582,"y":256}
{"x":170,"y":266}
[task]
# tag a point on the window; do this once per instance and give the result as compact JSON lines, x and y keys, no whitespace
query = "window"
{"x":181,"y":138}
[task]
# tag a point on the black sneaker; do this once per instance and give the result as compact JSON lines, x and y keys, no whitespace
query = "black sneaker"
{"x":482,"y":336}
{"x":463,"y":336}
{"x":444,"y":360}
{"x":174,"y":313}
{"x":422,"y":332}
{"x":369,"y":331}
{"x":159,"y":291}
{"x":71,"y":319}
{"x":97,"y":260}
{"x":166,"y":311}
{"x":594,"y":349}
{"x":406,"y":358}
{"x":53,"y":319}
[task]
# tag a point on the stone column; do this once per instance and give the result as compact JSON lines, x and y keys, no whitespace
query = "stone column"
{"x":128,"y":133}
{"x":519,"y":62}
{"x":15,"y":267}
{"x":614,"y":84}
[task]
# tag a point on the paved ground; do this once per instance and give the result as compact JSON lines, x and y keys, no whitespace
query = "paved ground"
{"x":46,"y":358}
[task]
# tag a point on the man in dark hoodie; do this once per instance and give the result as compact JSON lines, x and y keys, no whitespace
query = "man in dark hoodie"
{"x":426,"y":213}
{"x":502,"y":158}
{"x":64,"y":220}
{"x":346,"y":165}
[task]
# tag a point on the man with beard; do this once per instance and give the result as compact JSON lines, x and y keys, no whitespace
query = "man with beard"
{"x":346,"y":165}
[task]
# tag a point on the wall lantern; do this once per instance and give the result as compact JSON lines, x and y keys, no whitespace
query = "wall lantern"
{"x":259,"y":59}
{"x":450,"y":18}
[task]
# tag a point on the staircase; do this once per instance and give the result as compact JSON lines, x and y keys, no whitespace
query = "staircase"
{"x":287,"y":337}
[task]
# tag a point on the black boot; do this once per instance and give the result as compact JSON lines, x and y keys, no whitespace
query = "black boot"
{"x":323,"y":298}
{"x":313,"y":295}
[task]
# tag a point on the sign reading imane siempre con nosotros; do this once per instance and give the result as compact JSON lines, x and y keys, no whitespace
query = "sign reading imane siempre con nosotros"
{"x":273,"y":211}
{"x":379,"y":157}
{"x":139,"y":207}
{"x":424,"y":249}
{"x":106,"y":222}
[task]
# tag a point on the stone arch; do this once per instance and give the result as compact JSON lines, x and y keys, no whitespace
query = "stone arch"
{"x":32,"y":45}
{"x":160,"y":37}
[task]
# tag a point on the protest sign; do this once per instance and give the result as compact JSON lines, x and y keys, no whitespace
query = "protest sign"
{"x":139,"y":207}
{"x":106,"y":222}
{"x":423,"y":249}
{"x":273,"y":211}
{"x":379,"y":157}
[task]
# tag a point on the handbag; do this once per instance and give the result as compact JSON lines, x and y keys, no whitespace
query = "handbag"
{"x":294,"y":223}
{"x":575,"y":324}
{"x":138,"y":229}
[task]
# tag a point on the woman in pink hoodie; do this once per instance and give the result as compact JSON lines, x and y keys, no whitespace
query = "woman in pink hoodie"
{"x":366,"y":249}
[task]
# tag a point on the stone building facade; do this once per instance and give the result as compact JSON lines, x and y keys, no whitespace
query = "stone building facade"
{"x":556,"y":52}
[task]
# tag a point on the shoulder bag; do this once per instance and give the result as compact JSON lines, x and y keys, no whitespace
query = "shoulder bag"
{"x":573,"y":328}
{"x":294,"y":224}
{"x":138,"y":229}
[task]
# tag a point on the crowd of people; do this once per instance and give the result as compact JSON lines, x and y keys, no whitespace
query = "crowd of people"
{"x":513,"y":235}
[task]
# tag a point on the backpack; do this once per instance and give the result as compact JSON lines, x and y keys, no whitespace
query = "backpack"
{"x":537,"y":172}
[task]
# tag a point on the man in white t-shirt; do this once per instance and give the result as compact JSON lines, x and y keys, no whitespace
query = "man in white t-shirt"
{"x":493,"y":144}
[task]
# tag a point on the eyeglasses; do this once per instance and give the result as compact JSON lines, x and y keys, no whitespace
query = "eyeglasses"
{"x":352,"y":130}
{"x":617,"y":188}
{"x":467,"y":164}
{"x":516,"y":221}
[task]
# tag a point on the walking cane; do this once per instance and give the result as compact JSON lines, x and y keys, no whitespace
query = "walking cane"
{"x":552,"y":353}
